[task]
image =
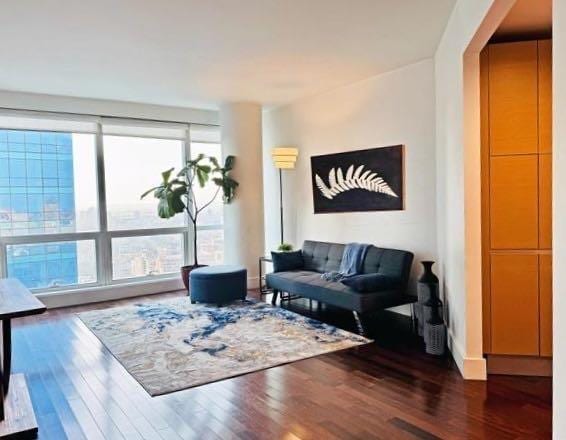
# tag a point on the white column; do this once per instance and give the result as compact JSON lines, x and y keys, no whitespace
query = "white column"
{"x":243,"y":218}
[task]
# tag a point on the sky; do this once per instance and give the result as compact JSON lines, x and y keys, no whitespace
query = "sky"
{"x":132,"y":166}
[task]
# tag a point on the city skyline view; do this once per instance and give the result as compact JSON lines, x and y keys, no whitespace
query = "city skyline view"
{"x":48,"y":185}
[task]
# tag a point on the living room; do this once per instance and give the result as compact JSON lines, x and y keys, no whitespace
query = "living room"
{"x":282,"y":220}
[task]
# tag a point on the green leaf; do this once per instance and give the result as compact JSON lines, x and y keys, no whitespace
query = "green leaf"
{"x":230,"y":182}
{"x":205,"y":168}
{"x":160,"y":192}
{"x":149,"y":191}
{"x":176,"y":203}
{"x":163,"y":209}
{"x":202,"y":177}
{"x":229,"y":163}
{"x":166,"y":175}
{"x":214,"y":162}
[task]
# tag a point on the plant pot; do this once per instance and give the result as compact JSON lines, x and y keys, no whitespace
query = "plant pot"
{"x":186,"y":271}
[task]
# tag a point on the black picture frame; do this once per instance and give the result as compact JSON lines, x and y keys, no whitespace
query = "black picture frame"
{"x":368,"y":180}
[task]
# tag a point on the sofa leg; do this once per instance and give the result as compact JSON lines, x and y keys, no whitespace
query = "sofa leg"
{"x":274,"y":297}
{"x":359,"y":323}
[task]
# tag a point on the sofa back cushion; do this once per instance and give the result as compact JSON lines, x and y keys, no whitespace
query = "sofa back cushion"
{"x":390,"y":262}
{"x":323,"y":257}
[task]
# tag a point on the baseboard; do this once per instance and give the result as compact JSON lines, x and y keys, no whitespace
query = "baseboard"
{"x":90,"y":295}
{"x":75,"y":297}
{"x":519,"y":365}
{"x":470,"y":368}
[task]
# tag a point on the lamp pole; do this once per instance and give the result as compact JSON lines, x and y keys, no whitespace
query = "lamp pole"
{"x":281,"y":200}
{"x":284,"y":157}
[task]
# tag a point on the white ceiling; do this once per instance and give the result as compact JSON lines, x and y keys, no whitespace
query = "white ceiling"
{"x":199,"y":53}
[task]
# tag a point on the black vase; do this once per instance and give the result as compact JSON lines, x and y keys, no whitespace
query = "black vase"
{"x":428,"y":300}
{"x":428,"y":275}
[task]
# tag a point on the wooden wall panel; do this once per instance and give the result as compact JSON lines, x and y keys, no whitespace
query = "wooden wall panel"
{"x":514,"y":202}
{"x":545,"y":95}
{"x":545,"y":304}
{"x":514,"y":304}
{"x":545,"y":201}
{"x":484,"y":134}
{"x":513,"y":106}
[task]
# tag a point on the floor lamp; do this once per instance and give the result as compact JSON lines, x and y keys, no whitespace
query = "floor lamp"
{"x":284,"y":158}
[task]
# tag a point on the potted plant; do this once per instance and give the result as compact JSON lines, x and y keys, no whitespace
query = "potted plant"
{"x":285,"y":247}
{"x":177,"y":195}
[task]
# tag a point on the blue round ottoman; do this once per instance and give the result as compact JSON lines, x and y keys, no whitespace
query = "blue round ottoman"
{"x":218,"y":284}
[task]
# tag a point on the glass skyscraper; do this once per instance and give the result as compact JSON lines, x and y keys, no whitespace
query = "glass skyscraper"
{"x":37,"y":197}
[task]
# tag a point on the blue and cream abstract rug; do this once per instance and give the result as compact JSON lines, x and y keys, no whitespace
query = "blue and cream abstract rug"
{"x":172,"y":345}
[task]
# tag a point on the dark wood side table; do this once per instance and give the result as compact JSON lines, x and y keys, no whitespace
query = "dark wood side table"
{"x":263,"y":289}
{"x":17,"y":419}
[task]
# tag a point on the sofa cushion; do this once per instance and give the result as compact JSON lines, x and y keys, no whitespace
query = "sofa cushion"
{"x":372,"y":282}
{"x":285,"y":261}
{"x":322,"y":257}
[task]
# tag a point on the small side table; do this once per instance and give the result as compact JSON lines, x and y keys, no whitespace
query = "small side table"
{"x":17,"y":419}
{"x":263,"y":289}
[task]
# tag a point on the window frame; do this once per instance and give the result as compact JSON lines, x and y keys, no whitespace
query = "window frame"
{"x":103,"y":236}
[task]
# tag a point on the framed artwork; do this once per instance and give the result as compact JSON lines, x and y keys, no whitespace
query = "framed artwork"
{"x":361,"y":180}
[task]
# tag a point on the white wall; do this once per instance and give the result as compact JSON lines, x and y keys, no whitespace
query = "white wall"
{"x":457,"y":143}
{"x":559,"y":218}
{"x":389,"y":109}
{"x":65,"y":104}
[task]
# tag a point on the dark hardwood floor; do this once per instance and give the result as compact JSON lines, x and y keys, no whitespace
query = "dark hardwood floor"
{"x":387,"y":390}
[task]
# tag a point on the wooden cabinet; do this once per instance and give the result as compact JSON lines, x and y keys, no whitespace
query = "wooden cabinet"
{"x":513,"y":98}
{"x":516,"y":105}
{"x":514,"y":305}
{"x":514,"y":202}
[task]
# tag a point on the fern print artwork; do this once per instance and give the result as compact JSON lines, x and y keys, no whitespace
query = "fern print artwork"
{"x":362,"y":180}
{"x":353,"y":180}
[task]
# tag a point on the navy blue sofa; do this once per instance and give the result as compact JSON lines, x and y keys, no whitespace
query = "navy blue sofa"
{"x":320,"y":257}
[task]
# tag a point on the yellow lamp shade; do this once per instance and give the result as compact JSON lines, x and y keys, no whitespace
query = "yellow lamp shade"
{"x":284,"y":157}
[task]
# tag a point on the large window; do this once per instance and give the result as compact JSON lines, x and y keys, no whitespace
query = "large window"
{"x":131,"y":164}
{"x":70,"y":207}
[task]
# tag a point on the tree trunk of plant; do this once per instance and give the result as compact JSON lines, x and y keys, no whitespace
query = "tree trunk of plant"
{"x":195,"y":243}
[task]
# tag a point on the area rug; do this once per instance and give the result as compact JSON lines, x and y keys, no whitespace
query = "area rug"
{"x":172,"y":345}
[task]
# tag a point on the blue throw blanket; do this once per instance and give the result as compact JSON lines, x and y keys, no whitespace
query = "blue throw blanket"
{"x":351,"y":264}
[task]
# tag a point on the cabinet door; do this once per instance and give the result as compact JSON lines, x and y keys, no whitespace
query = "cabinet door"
{"x":513,"y":103}
{"x":545,"y":95}
{"x":514,"y":202}
{"x":545,"y":201}
{"x":545,"y":301}
{"x":514,"y":304}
